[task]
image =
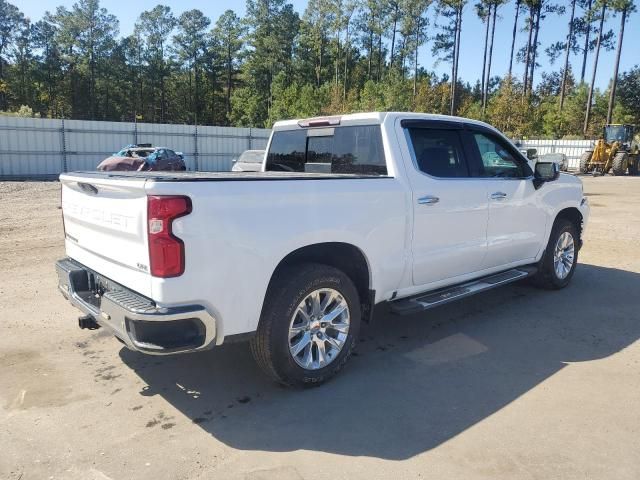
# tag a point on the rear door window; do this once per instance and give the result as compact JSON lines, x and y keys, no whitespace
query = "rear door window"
{"x":349,"y":149}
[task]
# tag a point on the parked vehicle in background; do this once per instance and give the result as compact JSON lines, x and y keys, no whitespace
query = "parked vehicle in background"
{"x":533,"y":157}
{"x":529,"y":153}
{"x":249,"y":161}
{"x":143,"y":157}
{"x":559,"y":158}
{"x":412,"y":209}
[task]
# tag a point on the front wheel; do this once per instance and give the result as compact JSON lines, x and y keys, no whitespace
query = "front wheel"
{"x":585,"y":159}
{"x":619,"y":164}
{"x":560,"y":258}
{"x":309,"y":325}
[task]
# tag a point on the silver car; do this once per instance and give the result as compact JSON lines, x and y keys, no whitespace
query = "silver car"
{"x":559,"y":158}
{"x":249,"y":161}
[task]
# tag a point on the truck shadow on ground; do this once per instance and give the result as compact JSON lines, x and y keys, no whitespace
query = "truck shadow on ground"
{"x":416,"y":381}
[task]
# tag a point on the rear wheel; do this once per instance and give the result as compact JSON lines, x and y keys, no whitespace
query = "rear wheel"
{"x":619,"y":164}
{"x":560,"y":257}
{"x":584,"y":161}
{"x":309,"y":325}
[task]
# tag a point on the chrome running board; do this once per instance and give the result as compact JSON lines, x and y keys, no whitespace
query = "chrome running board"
{"x":435,"y":298}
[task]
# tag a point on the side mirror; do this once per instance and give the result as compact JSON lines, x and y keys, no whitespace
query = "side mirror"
{"x":545,"y":172}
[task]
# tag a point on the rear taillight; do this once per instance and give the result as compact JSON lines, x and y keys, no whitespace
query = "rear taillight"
{"x":166,"y":251}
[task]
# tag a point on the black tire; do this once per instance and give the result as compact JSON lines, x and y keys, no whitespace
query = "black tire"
{"x":546,"y":276}
{"x":633,"y":165}
{"x":270,"y":346}
{"x":619,"y":164}
{"x":584,"y":161}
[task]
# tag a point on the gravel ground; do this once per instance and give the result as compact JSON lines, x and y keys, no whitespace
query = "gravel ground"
{"x":515,"y":383}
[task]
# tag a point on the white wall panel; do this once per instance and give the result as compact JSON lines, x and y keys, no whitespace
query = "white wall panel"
{"x":33,"y":164}
{"x":573,"y":149}
{"x":84,"y":161}
{"x":34,"y":147}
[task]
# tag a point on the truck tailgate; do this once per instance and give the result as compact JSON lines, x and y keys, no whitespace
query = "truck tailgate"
{"x":105,"y":227}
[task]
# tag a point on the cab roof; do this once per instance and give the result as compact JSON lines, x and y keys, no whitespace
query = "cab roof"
{"x":367,"y":118}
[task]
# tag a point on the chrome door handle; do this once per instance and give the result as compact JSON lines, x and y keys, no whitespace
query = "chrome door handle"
{"x":428,"y":200}
{"x":498,"y":196}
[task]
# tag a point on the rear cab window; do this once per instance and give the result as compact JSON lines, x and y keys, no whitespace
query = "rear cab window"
{"x":349,"y":149}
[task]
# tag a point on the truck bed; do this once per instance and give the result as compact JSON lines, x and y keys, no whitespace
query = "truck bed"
{"x":218,"y":176}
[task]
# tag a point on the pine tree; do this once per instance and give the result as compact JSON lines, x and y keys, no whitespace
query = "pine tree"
{"x":155,"y":27}
{"x":603,"y":11}
{"x":10,"y":19}
{"x":190,"y":47}
{"x":624,"y":7}
{"x":228,"y":34}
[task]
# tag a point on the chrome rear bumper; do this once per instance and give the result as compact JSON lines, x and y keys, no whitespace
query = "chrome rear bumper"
{"x":136,"y":320}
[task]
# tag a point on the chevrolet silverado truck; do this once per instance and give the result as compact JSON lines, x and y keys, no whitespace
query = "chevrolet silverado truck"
{"x":348,"y":211}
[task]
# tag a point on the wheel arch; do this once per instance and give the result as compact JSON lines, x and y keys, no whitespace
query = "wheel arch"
{"x":574,"y":216}
{"x":341,"y":255}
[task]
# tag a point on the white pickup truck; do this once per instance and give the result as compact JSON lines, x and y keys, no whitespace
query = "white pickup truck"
{"x":412,"y":209}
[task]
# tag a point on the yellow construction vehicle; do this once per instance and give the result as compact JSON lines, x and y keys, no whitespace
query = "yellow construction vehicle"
{"x":617,"y":151}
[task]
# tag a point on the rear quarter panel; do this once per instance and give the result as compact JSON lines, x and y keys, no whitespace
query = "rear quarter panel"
{"x":239,"y":231}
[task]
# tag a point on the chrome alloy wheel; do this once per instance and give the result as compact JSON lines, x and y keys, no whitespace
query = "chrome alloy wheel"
{"x":319,"y":328}
{"x":564,"y":255}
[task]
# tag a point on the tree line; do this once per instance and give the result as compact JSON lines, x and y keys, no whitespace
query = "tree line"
{"x":339,"y":56}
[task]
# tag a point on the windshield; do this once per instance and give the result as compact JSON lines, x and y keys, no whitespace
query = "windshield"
{"x":616,"y":133}
{"x":128,"y":152}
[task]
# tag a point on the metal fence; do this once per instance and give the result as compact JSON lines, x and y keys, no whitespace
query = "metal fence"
{"x":573,"y":149}
{"x":33,"y":147}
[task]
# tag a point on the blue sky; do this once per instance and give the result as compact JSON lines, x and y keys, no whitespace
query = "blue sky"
{"x":553,"y":29}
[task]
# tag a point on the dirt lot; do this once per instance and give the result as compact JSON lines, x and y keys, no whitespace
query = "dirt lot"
{"x":517,"y":383}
